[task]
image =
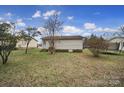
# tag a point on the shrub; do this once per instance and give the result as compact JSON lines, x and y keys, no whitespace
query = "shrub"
{"x":7,"y":41}
{"x":96,"y":44}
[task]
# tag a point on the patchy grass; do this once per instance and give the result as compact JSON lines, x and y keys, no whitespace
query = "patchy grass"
{"x":62,"y":69}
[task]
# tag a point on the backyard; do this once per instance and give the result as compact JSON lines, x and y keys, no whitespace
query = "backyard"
{"x":62,"y":69}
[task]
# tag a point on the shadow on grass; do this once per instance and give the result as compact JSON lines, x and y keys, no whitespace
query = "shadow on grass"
{"x":113,"y":53}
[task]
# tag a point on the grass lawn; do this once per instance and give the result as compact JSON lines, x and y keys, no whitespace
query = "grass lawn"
{"x":62,"y":69}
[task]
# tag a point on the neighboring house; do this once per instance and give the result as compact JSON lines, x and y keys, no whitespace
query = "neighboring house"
{"x":69,"y":43}
{"x":22,"y":44}
{"x":118,"y":42}
{"x":39,"y":46}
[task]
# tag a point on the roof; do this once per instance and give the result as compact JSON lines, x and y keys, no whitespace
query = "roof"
{"x":64,"y":38}
{"x":117,"y":38}
{"x":35,"y":39}
{"x":32,"y":39}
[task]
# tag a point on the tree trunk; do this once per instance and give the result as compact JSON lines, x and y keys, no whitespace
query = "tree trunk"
{"x":51,"y":48}
{"x":26,"y":50}
{"x":4,"y":59}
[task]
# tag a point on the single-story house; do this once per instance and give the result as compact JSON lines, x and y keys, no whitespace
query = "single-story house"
{"x":69,"y":43}
{"x":119,"y":42}
{"x":22,"y":44}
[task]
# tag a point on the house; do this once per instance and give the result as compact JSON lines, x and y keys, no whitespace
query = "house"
{"x":118,"y":42}
{"x":69,"y":43}
{"x":22,"y":44}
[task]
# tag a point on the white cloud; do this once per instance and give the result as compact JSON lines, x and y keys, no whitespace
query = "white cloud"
{"x":89,"y":26}
{"x":71,"y":29}
{"x":47,"y":14}
{"x":110,"y":30}
{"x":1,"y":18}
{"x":70,"y":17}
{"x":41,"y":29}
{"x":8,"y":14}
{"x":86,"y":34}
{"x":92,"y":26}
{"x":8,"y":22}
{"x":20,"y":22}
{"x":46,"y":17}
{"x":29,"y":18}
{"x":97,"y":13}
{"x":100,"y":29}
{"x":37,"y":14}
{"x":67,"y":34}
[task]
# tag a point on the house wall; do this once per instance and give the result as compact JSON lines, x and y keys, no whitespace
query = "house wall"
{"x":113,"y":46}
{"x":22,"y":44}
{"x":120,"y":41}
{"x":66,"y":44}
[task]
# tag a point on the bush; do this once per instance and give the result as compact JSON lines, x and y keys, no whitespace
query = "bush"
{"x":96,"y":44}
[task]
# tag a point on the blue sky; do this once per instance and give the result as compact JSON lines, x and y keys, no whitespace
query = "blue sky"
{"x":78,"y":20}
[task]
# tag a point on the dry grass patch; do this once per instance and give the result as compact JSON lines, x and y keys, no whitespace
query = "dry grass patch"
{"x":62,"y":69}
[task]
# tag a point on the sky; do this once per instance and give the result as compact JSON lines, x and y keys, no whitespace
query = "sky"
{"x":78,"y":20}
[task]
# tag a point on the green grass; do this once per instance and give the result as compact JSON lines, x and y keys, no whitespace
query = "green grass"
{"x":62,"y":69}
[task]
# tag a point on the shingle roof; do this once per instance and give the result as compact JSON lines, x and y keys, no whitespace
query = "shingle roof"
{"x":64,"y":38}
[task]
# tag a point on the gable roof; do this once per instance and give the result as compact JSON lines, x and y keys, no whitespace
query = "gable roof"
{"x":117,"y":38}
{"x":64,"y":38}
{"x":35,"y":39}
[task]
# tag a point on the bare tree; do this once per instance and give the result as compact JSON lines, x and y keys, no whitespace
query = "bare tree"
{"x":122,"y":30}
{"x":53,"y":25}
{"x":96,"y":44}
{"x":7,"y":41}
{"x":122,"y":34}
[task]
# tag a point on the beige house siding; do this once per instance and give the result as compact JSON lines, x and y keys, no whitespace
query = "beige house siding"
{"x":22,"y":44}
{"x":120,"y":41}
{"x":65,"y":44}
